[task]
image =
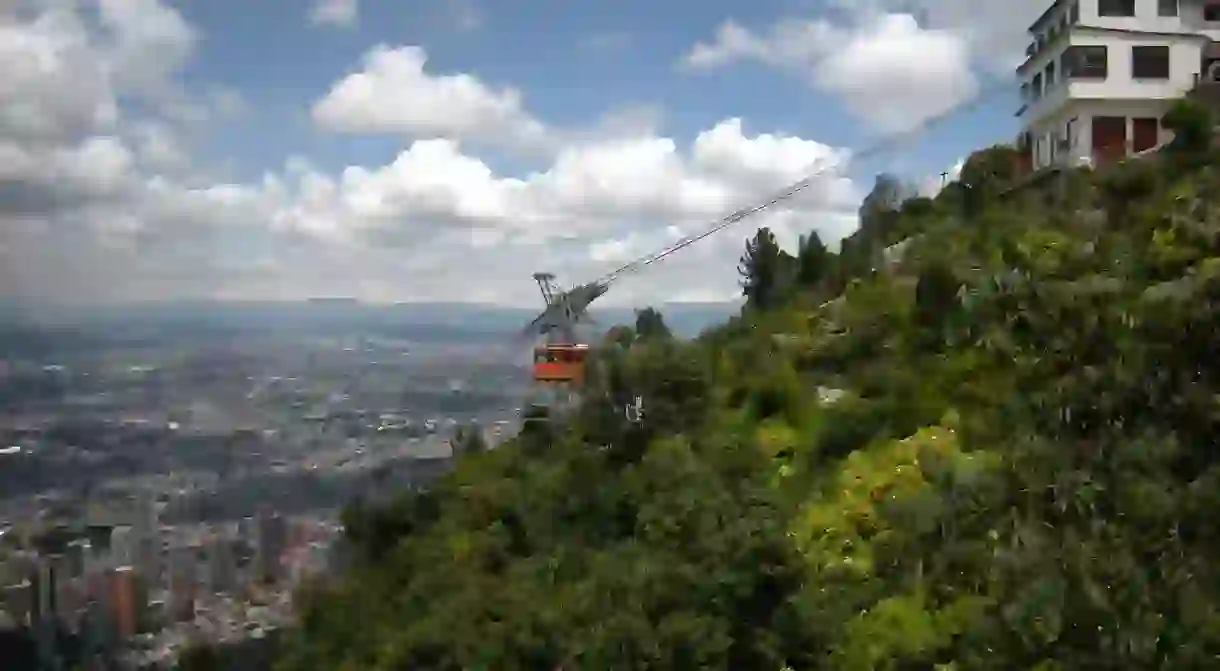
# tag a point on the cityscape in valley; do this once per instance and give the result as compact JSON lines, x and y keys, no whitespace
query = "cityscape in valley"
{"x":170,"y":483}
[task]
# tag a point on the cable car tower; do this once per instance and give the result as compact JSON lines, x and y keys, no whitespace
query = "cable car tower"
{"x":559,"y":351}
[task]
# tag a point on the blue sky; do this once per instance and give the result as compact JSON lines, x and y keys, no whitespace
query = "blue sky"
{"x":572,"y":59}
{"x":445,"y":149}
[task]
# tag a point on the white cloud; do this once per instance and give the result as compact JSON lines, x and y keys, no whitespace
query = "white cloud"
{"x":159,"y":148}
{"x":593,"y":190}
{"x":892,"y":62}
{"x":99,"y":203}
{"x":342,"y":13}
{"x":54,"y":86}
{"x":150,"y":41}
{"x":994,"y":30}
{"x":392,"y":93}
{"x":893,"y":71}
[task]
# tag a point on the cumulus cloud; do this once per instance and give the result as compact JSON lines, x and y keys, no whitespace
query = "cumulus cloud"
{"x":101,"y":200}
{"x":54,"y":86}
{"x":392,"y":93}
{"x":149,"y":42}
{"x":342,"y":13}
{"x":993,"y":30}
{"x":886,"y":67}
{"x":893,"y":62}
{"x":594,"y":191}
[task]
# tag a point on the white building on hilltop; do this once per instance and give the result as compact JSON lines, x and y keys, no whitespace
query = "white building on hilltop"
{"x":1100,"y":74}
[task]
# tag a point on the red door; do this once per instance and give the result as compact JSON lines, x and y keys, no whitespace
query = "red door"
{"x":1109,"y":138}
{"x":1144,"y":133}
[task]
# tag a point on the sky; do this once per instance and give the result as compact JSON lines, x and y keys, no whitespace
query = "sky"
{"x":445,"y":150}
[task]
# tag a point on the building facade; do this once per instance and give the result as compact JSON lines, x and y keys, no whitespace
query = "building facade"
{"x":1099,"y":75}
{"x":270,"y":540}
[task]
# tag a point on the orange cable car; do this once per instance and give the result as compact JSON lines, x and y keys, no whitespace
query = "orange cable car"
{"x":560,"y":363}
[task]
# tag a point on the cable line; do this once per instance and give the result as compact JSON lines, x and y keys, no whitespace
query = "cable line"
{"x":792,"y":190}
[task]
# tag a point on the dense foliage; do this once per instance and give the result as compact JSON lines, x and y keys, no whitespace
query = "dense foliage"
{"x":992,"y":450}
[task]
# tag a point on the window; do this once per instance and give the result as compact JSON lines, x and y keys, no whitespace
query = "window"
{"x":1074,"y":13}
{"x":1211,"y":11}
{"x":1167,"y":7}
{"x":1150,"y":62}
{"x":1036,"y":87}
{"x":1090,"y":62}
{"x":1050,"y":74}
{"x":1116,"y":7}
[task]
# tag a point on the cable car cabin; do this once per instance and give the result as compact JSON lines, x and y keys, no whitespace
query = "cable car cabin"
{"x":558,"y":363}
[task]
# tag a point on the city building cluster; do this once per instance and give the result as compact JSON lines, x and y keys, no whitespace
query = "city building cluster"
{"x":128,"y":587}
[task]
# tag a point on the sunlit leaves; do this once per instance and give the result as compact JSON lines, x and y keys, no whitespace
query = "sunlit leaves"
{"x":835,"y":533}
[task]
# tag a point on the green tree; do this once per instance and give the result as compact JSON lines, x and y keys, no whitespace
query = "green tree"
{"x":650,"y":325}
{"x":762,"y":269}
{"x":469,"y":440}
{"x":199,"y":657}
{"x":1193,"y":124}
{"x":813,"y":261}
{"x":936,"y":295}
{"x":992,"y":169}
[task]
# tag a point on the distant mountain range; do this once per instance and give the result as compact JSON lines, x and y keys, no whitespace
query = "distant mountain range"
{"x":326,"y":316}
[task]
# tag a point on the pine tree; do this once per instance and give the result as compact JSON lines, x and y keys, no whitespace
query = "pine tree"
{"x":812,"y":261}
{"x":650,"y":324}
{"x":762,"y":270}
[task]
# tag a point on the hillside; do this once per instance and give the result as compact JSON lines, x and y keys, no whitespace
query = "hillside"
{"x":1016,"y":472}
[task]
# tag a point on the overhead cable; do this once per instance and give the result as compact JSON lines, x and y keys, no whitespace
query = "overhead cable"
{"x":885,"y":144}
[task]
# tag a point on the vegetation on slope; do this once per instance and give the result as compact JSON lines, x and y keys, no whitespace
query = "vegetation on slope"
{"x":997,"y":454}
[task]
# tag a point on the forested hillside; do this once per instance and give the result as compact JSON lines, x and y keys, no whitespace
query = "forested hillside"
{"x":996,"y":452}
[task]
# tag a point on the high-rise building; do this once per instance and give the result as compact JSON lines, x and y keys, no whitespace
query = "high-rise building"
{"x":45,"y":587}
{"x":129,"y":600}
{"x":271,"y":535}
{"x":77,"y":557}
{"x":148,"y":543}
{"x":222,"y":565}
{"x":183,"y":576}
{"x":122,"y":546}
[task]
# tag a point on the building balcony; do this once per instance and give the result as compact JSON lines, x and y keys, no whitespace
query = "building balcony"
{"x":1053,"y":39}
{"x":1050,"y":100}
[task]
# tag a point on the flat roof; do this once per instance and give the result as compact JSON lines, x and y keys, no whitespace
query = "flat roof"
{"x":1033,"y":27}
